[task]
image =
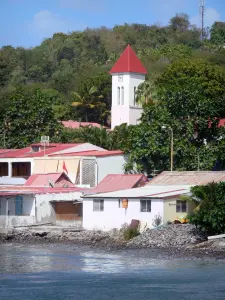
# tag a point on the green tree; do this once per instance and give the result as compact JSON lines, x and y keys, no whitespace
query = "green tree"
{"x":193,"y":91}
{"x":146,"y":93}
{"x":28,"y":117}
{"x":180,"y":22}
{"x":85,"y":101}
{"x":210,"y":213}
{"x":217,"y":33}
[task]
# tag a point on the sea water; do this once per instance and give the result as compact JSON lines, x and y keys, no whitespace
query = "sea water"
{"x":60,"y":272}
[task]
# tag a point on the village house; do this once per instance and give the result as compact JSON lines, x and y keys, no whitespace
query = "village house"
{"x":106,"y":211}
{"x":53,"y":198}
{"x":159,"y":200}
{"x":85,"y":164}
{"x":23,"y":206}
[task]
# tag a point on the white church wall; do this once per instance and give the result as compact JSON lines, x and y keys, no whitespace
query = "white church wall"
{"x":124,"y":108}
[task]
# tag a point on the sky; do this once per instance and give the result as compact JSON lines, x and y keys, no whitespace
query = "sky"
{"x":28,"y":22}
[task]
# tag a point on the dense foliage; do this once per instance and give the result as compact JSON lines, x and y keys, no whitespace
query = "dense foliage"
{"x":67,"y":77}
{"x":210,"y":212}
{"x":28,"y":116}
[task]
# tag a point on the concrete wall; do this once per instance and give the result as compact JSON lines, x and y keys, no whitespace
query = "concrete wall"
{"x":28,"y":212}
{"x":114,"y":217}
{"x":123,"y":112}
{"x":69,"y":223}
{"x":170,"y":213}
{"x":36,"y":209}
{"x":110,"y":165}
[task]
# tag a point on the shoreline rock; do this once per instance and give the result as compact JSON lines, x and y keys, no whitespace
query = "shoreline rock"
{"x":172,"y":241}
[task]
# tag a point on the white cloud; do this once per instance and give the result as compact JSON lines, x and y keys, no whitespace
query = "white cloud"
{"x":45,"y":24}
{"x":87,"y":5}
{"x":211,"y":16}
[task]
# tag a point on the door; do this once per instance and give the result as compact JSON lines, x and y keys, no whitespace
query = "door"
{"x":68,"y":211}
{"x":19,"y":206}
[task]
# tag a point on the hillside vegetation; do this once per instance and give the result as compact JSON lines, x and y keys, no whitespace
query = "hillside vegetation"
{"x":67,"y":77}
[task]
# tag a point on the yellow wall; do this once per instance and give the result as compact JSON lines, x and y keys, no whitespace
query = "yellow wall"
{"x":170,"y":213}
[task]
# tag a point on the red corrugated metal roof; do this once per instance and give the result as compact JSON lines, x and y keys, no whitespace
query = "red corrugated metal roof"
{"x":128,"y":63}
{"x":116,"y":182}
{"x":187,"y":177}
{"x":27,"y":152}
{"x":18,"y":190}
{"x":52,"y":149}
{"x":6,"y":150}
{"x":76,"y":124}
{"x":92,"y":153}
{"x":42,"y":180}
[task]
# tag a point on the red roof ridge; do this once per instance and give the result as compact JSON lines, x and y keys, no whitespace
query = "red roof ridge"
{"x":128,"y":63}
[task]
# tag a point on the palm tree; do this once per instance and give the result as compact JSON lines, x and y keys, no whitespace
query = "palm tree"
{"x":146,"y":93}
{"x":201,"y":196}
{"x":87,"y":101}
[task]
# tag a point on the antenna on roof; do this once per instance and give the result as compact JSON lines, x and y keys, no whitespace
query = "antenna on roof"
{"x":202,"y":17}
{"x":50,"y":183}
{"x":44,"y":142}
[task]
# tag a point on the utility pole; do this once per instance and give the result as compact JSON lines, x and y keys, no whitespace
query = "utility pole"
{"x":202,"y":17}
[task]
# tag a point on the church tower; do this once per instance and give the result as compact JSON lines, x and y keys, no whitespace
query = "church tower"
{"x":127,"y":73}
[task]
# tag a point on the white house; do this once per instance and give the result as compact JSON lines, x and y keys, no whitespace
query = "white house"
{"x":106,"y":211}
{"x":127,"y":74}
{"x":23,"y":206}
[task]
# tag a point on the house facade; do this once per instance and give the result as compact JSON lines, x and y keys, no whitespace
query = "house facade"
{"x":85,"y":164}
{"x":106,"y":211}
{"x":23,"y":206}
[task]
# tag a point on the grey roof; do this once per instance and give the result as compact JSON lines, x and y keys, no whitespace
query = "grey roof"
{"x":187,"y":177}
{"x":146,"y":192}
{"x":5,"y":180}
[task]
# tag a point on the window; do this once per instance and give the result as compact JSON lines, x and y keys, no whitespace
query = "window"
{"x":145,"y":205}
{"x":118,"y":95}
{"x":135,"y":96}
{"x":181,"y":206}
{"x":98,"y":205}
{"x":122,"y":95}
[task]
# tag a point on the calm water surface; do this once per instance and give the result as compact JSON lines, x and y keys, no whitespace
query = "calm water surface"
{"x":67,"y":272}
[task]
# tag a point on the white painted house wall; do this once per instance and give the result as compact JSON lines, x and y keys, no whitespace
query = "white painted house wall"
{"x":36,"y":209}
{"x":127,"y":110}
{"x":110,"y":165}
{"x":114,"y":217}
{"x":28,"y":212}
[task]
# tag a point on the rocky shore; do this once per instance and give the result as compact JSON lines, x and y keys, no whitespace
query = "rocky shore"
{"x":172,"y":241}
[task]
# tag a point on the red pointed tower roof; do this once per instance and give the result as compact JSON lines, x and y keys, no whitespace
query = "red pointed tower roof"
{"x":128,"y":63}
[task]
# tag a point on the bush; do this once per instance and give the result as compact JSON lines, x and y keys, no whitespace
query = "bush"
{"x":157,"y":220}
{"x":130,"y":232}
{"x":210,"y":215}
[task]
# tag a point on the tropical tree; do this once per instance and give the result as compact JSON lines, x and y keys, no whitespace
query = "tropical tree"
{"x":210,"y":212}
{"x":146,"y":93}
{"x":28,"y":116}
{"x":86,"y":101}
{"x":193,"y":91}
{"x":217,"y":33}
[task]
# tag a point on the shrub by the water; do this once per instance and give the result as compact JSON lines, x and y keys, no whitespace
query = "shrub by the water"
{"x":209,"y":214}
{"x":130,"y":232}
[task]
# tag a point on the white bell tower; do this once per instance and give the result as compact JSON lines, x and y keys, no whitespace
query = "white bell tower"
{"x":127,"y":73}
